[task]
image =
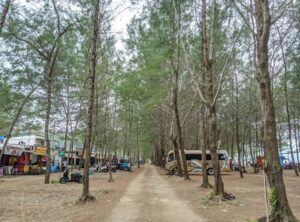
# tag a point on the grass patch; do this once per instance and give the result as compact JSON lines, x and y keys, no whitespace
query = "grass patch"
{"x":211,"y":200}
{"x":54,"y":181}
{"x":251,"y":220}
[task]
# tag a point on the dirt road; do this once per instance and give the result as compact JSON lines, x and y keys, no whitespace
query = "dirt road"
{"x":146,"y":194}
{"x":149,"y":197}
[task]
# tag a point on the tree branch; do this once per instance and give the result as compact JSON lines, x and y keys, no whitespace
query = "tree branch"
{"x":243,"y":17}
{"x":225,"y":65}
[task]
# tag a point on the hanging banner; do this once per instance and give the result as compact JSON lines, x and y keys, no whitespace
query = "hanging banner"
{"x":42,"y":151}
{"x":13,"y":151}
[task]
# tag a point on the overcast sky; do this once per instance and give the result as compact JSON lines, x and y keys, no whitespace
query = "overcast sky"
{"x":123,"y":14}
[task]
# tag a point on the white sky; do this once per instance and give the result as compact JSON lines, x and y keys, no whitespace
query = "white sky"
{"x":123,"y":14}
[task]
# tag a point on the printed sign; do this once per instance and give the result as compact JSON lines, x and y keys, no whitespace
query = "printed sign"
{"x":13,"y":151}
{"x":42,"y":151}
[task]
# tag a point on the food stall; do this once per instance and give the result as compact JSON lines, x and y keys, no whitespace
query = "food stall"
{"x":12,"y":154}
{"x":38,"y":160}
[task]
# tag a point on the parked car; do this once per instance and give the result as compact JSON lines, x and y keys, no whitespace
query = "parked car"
{"x":124,"y":165}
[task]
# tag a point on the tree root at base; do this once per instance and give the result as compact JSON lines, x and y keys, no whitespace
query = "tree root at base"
{"x":273,"y":218}
{"x":206,"y":185}
{"x":86,"y":198}
{"x":218,"y":200}
{"x":110,"y":180}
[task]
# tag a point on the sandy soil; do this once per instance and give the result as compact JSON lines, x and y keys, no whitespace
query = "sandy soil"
{"x":27,"y":198}
{"x":147,"y":194}
{"x":249,"y":192}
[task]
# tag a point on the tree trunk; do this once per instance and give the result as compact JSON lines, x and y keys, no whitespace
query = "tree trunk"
{"x":74,"y":131}
{"x":287,"y":108}
{"x":80,"y":165}
{"x":130,"y":137}
{"x":15,"y":121}
{"x":50,"y":67}
{"x":203,"y":134}
{"x":203,"y":140}
{"x":106,"y":135}
{"x":208,"y":63}
{"x":4,"y":14}
{"x":298,"y":130}
{"x":161,"y":140}
{"x":178,"y":127}
{"x":232,"y":143}
{"x":177,"y":157}
{"x":67,"y":131}
{"x":281,"y":210}
{"x":297,"y":142}
{"x":219,"y":186}
{"x":109,"y":168}
{"x":256,"y":136}
{"x":251,"y":151}
{"x":237,"y":123}
{"x":116,"y":130}
{"x":137,"y":145}
{"x":85,"y":196}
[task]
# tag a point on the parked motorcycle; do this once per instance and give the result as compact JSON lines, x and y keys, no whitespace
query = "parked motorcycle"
{"x":75,"y":177}
{"x":104,"y":168}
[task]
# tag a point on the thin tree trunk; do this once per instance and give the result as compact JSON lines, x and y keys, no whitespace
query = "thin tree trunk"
{"x":116,"y":129}
{"x":296,"y":138}
{"x":177,"y":157}
{"x":281,"y":210}
{"x":252,"y":154}
{"x":125,"y":144}
{"x":50,"y":67}
{"x":203,"y":134}
{"x":244,"y":157}
{"x":116,"y":139}
{"x":298,"y":129}
{"x":178,"y":127}
{"x":67,"y":112}
{"x":137,"y":145}
{"x":237,"y":123}
{"x":287,"y":108}
{"x":50,"y":62}
{"x":232,"y":143}
{"x":85,"y":196}
{"x":197,"y":146}
{"x":109,"y":168}
{"x":297,"y":144}
{"x":74,"y":131}
{"x":161,"y":141}
{"x":176,"y":68}
{"x":130,"y":136}
{"x":80,"y":165}
{"x":4,"y":14}
{"x":15,"y":120}
{"x":106,"y":134}
{"x":203,"y":142}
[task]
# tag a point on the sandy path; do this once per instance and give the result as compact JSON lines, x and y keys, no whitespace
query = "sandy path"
{"x":149,"y":197}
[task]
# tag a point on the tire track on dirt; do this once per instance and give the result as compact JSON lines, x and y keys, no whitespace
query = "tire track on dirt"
{"x":149,"y":197}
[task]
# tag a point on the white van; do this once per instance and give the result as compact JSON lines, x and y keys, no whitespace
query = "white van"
{"x":193,"y":159}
